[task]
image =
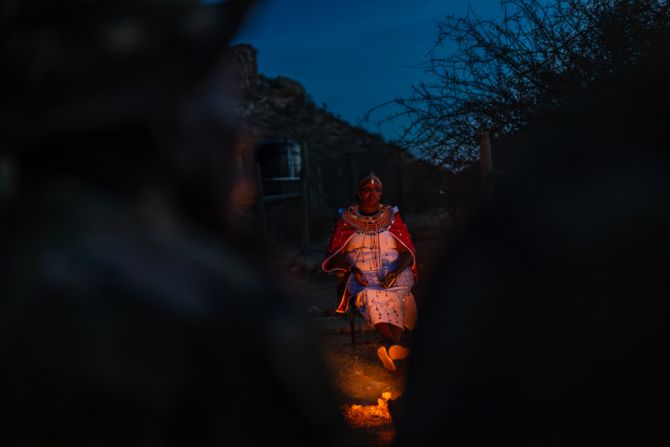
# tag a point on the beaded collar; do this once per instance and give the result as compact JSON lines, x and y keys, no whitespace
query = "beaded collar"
{"x":369,"y":224}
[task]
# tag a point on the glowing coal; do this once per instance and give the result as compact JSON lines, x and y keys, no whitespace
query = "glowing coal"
{"x":366,"y":416}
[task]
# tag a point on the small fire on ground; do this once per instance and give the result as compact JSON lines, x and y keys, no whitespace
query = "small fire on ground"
{"x":368,"y":416}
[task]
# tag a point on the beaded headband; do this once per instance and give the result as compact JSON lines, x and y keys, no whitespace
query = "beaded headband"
{"x":372,"y":178}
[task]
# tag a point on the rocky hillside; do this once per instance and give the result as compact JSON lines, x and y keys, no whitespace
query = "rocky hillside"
{"x":338,"y":152}
{"x":281,"y":108}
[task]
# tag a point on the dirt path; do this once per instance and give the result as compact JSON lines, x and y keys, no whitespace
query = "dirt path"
{"x":364,"y":385}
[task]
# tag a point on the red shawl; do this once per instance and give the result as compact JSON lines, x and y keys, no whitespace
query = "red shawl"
{"x":344,"y":231}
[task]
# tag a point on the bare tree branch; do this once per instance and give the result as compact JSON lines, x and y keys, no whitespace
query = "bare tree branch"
{"x":506,"y":74}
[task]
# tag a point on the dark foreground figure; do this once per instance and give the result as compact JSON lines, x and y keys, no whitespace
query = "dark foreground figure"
{"x":544,"y":324}
{"x":129,"y":314}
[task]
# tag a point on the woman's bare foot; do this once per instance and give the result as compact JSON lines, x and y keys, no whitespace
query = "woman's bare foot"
{"x":397,"y":352}
{"x":386,"y":360}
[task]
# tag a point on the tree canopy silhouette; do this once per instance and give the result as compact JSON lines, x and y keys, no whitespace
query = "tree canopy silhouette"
{"x":504,"y":74}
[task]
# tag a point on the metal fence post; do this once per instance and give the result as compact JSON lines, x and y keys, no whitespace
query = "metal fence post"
{"x":260,"y":202}
{"x":304,"y":177}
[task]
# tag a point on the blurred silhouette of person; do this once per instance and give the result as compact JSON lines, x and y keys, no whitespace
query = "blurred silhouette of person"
{"x":371,"y":244}
{"x":129,"y":315}
{"x":544,"y":324}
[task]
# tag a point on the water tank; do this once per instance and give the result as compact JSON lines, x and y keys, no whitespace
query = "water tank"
{"x":281,"y":166}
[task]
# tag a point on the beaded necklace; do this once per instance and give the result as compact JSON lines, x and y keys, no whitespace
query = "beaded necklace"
{"x":374,"y":224}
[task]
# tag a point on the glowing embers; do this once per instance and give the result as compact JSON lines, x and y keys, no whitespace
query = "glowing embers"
{"x":367,"y":416}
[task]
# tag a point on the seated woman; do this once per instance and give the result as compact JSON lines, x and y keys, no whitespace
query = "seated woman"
{"x":371,"y":244}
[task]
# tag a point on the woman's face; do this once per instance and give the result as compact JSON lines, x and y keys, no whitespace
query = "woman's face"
{"x":369,"y":195}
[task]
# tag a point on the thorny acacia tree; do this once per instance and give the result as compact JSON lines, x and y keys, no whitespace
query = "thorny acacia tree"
{"x":506,"y":73}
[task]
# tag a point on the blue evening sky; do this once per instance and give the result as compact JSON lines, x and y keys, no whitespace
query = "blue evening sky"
{"x":352,"y":54}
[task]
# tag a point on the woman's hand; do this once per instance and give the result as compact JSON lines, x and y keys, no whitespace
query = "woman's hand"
{"x":358,"y":274}
{"x":389,"y":279}
{"x":404,"y":261}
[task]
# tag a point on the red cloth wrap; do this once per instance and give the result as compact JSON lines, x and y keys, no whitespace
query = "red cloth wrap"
{"x":343,"y":231}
